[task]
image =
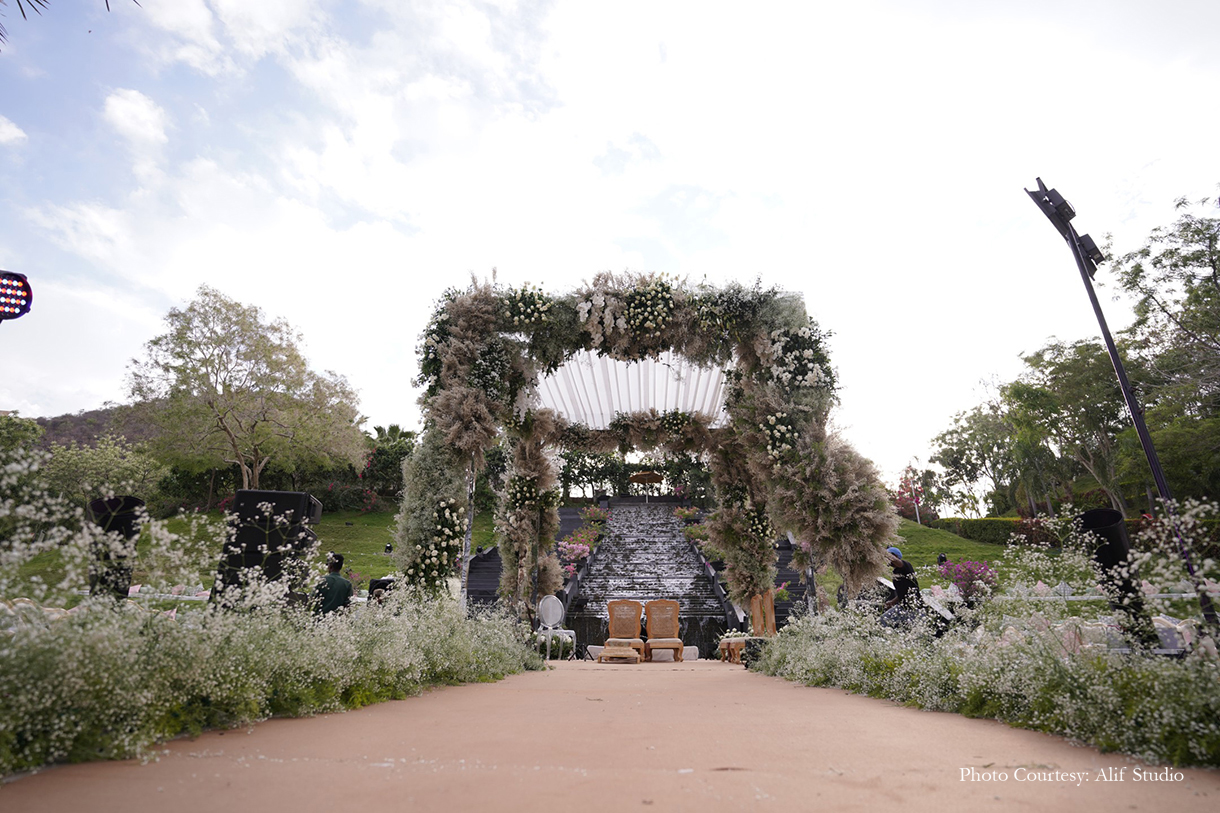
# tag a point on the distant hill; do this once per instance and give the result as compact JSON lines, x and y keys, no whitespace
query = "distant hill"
{"x":87,"y":426}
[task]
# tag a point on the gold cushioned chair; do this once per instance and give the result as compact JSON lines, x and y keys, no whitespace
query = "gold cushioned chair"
{"x":663,"y":628}
{"x":624,"y":626}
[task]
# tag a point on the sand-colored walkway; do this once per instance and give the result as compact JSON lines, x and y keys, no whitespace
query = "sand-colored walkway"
{"x":696,"y":736}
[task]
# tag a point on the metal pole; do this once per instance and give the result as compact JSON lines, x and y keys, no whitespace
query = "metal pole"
{"x":1137,"y":418}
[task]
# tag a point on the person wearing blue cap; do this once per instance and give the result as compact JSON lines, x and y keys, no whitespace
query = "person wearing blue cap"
{"x":900,"y":611}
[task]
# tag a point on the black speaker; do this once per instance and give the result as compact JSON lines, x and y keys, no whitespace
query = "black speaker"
{"x":269,"y":537}
{"x":117,"y":514}
{"x":1113,"y":555}
{"x":1108,"y":526}
{"x":297,"y":507}
{"x":109,"y":572}
{"x":381,"y":584}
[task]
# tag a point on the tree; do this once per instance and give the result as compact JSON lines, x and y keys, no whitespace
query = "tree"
{"x":1175,"y":276}
{"x":111,"y":466}
{"x":1072,"y":395}
{"x":1038,"y":470}
{"x":975,"y":448}
{"x":915,"y":497}
{"x":17,"y":432}
{"x":223,"y":385}
{"x":383,"y":467}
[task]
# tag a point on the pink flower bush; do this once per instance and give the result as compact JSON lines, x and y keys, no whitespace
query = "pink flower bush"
{"x":594,"y":515}
{"x":973,"y":579}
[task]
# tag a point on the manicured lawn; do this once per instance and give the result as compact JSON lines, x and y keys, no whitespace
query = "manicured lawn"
{"x":920,"y":546}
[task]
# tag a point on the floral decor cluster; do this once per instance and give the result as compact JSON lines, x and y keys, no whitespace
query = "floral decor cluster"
{"x":595,"y":515}
{"x":527,"y":306}
{"x":696,"y":533}
{"x":575,"y":548}
{"x":779,"y":433}
{"x":527,"y":515}
{"x":436,"y":558}
{"x":428,"y":537}
{"x":688,"y":515}
{"x":483,"y":350}
{"x":522,"y":492}
{"x":972,"y":579}
{"x":798,"y":358}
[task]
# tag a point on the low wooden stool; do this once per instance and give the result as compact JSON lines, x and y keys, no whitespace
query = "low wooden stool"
{"x":730,"y":649}
{"x":617,"y":652}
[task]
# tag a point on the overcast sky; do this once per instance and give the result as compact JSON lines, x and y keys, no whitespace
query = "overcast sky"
{"x":340,"y":164}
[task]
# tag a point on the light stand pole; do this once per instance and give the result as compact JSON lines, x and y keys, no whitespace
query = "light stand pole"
{"x":1059,"y":212}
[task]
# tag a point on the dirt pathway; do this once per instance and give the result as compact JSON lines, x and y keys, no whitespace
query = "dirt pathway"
{"x":695,"y":736}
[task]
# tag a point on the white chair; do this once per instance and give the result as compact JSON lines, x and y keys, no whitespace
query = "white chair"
{"x":550,"y":616}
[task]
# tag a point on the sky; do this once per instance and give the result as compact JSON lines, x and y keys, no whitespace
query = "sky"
{"x":341,"y":163}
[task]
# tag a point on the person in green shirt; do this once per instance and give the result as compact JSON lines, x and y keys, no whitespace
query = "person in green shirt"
{"x":334,"y":592}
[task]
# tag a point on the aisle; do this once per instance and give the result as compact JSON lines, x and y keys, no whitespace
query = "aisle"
{"x":659,"y":736}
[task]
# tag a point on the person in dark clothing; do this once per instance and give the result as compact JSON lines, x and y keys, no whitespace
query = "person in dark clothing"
{"x":902,"y":609}
{"x":334,"y":592}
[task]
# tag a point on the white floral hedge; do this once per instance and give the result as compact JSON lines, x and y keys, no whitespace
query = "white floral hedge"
{"x":1030,"y":660}
{"x":480,"y":359}
{"x":100,"y":678}
{"x":112,"y":680}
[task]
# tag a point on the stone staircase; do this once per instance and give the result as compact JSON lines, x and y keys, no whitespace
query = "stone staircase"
{"x":643,"y":557}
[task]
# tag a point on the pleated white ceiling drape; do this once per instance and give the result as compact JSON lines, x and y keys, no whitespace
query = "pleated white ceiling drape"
{"x":590,"y":389}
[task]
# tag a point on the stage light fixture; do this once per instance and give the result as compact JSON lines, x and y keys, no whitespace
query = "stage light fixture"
{"x":16,"y":295}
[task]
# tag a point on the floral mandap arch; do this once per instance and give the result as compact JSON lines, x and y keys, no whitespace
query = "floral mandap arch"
{"x":774,"y":466}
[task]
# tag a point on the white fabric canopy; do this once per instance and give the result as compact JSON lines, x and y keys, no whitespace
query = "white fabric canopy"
{"x":590,"y":389}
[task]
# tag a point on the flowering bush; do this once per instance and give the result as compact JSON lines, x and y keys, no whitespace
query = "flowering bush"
{"x":109,"y":679}
{"x":687,"y":514}
{"x":575,"y":547}
{"x":1157,"y":709}
{"x":972,"y":579}
{"x":594,"y":515}
{"x":1039,"y":663}
{"x":695,"y":533}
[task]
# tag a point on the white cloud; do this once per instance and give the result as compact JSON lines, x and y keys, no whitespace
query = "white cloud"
{"x":869,"y":158}
{"x":136,"y":117}
{"x":11,"y":134}
{"x":193,"y":40}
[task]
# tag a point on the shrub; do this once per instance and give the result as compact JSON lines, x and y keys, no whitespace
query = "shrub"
{"x":972,"y":579}
{"x":1036,"y":663}
{"x":993,"y":530}
{"x":1154,"y":708}
{"x":109,"y":679}
{"x":594,"y":515}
